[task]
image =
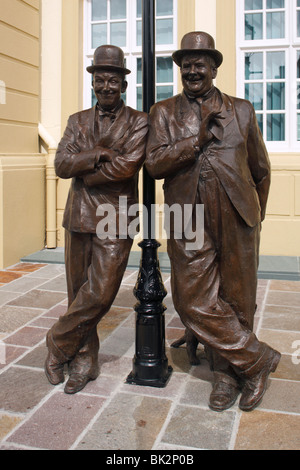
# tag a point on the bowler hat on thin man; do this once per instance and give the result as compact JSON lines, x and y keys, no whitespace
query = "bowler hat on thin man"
{"x":108,"y":57}
{"x":198,"y":42}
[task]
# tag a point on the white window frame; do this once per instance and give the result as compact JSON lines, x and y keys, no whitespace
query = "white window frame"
{"x":290,"y":44}
{"x":131,"y":52}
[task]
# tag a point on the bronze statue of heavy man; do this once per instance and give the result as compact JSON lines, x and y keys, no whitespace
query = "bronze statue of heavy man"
{"x":102,"y":150}
{"x":209,"y":149}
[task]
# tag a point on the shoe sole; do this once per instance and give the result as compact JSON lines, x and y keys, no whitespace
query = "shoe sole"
{"x":273,"y":367}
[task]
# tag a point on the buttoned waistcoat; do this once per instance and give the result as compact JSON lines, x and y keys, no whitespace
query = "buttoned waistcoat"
{"x":237,"y":154}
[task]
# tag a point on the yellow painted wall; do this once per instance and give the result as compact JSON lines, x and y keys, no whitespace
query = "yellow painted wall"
{"x":22,"y":168}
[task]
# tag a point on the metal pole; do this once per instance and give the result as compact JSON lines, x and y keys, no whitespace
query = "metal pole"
{"x":150,"y":364}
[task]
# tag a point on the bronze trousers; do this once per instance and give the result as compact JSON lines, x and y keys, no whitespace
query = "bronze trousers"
{"x":94,"y":271}
{"x":214,"y":288}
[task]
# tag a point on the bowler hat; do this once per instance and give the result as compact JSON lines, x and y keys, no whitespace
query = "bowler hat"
{"x":109,"y":58}
{"x":198,"y":42}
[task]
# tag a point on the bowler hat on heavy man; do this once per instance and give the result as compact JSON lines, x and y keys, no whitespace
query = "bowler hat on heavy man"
{"x":108,"y":57}
{"x":198,"y":42}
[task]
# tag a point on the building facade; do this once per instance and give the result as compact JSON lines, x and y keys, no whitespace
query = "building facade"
{"x":44,"y":50}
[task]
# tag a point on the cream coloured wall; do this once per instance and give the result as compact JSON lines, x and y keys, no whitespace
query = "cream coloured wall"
{"x":22,"y":167}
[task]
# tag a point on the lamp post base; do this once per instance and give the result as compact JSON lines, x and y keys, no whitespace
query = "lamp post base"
{"x":150,"y":364}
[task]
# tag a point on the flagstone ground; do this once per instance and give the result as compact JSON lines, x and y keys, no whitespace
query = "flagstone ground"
{"x":111,"y":414}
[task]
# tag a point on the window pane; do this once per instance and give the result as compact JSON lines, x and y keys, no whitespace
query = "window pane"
{"x":118,"y":34}
{"x":275,"y":65}
{"x":271,"y":4}
{"x":139,"y":8}
{"x":298,"y":3}
{"x":164,"y":69}
{"x":298,"y":64}
{"x":253,"y":26}
{"x":298,"y":23}
{"x":139,"y":99}
{"x":253,"y":65}
{"x":275,"y":127}
{"x":94,"y":99}
{"x":253,"y":4}
{"x":276,"y":96}
{"x":99,"y":35}
{"x":164,"y":8}
{"x":298,"y":96}
{"x":164,"y":92}
{"x":164,"y":31}
{"x":139,"y":70}
{"x":117,"y":9}
{"x":99,"y":10}
{"x":260,"y":120}
{"x":275,"y":25}
{"x":138,"y":33}
{"x":254,"y":93}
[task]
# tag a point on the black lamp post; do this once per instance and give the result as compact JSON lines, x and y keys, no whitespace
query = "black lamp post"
{"x":150,"y":364}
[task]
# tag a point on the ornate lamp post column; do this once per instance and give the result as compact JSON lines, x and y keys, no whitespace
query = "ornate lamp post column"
{"x":150,"y":364}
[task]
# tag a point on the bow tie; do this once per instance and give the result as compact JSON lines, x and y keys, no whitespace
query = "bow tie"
{"x":103,"y":114}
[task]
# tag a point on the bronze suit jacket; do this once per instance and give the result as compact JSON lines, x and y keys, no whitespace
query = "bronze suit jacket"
{"x":104,"y":185}
{"x":237,"y":154}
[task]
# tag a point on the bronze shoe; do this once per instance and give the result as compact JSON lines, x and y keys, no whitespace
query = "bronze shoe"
{"x":256,"y":386}
{"x":223,"y":396}
{"x":54,"y":369}
{"x":77,"y":382}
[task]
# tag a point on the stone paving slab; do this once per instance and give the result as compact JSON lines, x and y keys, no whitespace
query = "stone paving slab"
{"x":110,"y":414}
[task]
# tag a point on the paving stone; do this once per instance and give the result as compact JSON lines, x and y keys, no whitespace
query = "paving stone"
{"x":119,"y":343}
{"x":260,"y":430}
{"x":281,"y":318}
{"x":39,"y":299}
{"x":125,"y":297}
{"x":21,"y":389}
{"x":35,"y":358}
{"x":196,"y":393}
{"x":58,"y":422}
{"x":57,"y":284}
{"x":6,"y":296}
{"x":26,"y":267}
{"x":199,"y":428}
{"x":12,"y":318}
{"x":8,"y":423}
{"x":27,"y":336}
{"x":22,"y":285}
{"x":290,"y":286}
{"x":9,"y":354}
{"x":114,"y":365}
{"x":283,"y":341}
{"x":288,"y":368}
{"x":8,"y":276}
{"x":141,"y":422}
{"x":283,"y":298}
{"x":282,"y":395}
{"x":111,"y":320}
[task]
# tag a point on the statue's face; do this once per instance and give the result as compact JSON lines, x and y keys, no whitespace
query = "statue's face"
{"x":197,"y":74}
{"x":108,"y":87}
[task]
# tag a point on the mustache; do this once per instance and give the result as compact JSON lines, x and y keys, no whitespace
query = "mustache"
{"x":193,"y":77}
